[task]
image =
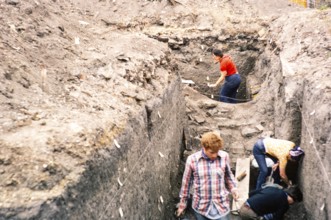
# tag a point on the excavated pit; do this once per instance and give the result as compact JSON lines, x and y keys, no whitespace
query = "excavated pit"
{"x":96,"y":123}
{"x":200,"y":68}
{"x":249,"y":54}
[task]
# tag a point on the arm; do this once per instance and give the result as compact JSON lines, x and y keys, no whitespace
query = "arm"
{"x":185,"y":189}
{"x":282,"y":172}
{"x":220,"y":80}
{"x":274,"y":167}
{"x":230,"y":180}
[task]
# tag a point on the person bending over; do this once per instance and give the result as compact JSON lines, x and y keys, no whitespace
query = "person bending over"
{"x":269,"y":203}
{"x":282,"y":150}
{"x":229,"y":74}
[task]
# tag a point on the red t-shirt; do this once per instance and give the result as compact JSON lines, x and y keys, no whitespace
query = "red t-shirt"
{"x":228,"y":65}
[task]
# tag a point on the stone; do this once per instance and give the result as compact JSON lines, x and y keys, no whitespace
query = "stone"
{"x":249,"y":132}
{"x":237,"y":150}
{"x":207,"y":104}
{"x":163,"y":38}
{"x":12,"y":2}
{"x":260,"y":127}
{"x":212,"y":112}
{"x":199,"y":119}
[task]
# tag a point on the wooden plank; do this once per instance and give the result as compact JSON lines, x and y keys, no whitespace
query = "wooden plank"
{"x":242,"y":168}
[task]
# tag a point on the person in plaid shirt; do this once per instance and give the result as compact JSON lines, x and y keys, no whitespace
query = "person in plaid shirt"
{"x":208,"y":172}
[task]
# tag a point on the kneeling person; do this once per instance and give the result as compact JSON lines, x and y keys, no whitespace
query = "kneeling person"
{"x":270,"y":202}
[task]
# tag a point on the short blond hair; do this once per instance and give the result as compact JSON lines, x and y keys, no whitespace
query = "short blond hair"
{"x":212,"y":140}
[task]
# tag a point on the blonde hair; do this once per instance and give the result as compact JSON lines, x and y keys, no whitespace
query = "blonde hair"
{"x":212,"y":140}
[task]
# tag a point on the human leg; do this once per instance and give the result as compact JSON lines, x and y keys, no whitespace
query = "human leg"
{"x":198,"y":216}
{"x":227,"y":217}
{"x":235,"y":83}
{"x":233,"y":97}
{"x":229,"y":89}
{"x":259,"y":155}
{"x":201,"y":217}
{"x":224,"y":93}
{"x":246,"y":213}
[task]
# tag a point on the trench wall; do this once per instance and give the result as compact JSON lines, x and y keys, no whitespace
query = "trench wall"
{"x":305,"y":118}
{"x":301,"y":108}
{"x":136,"y":180}
{"x":315,"y":139}
{"x":146,"y":165}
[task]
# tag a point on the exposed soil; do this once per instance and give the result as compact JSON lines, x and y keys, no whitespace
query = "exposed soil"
{"x":73,"y":72}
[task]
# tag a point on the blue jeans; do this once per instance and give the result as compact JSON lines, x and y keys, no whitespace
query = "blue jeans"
{"x":259,"y":155}
{"x":228,"y":91}
{"x":201,"y":217}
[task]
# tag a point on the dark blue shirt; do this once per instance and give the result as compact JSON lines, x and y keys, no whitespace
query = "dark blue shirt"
{"x":268,"y":200}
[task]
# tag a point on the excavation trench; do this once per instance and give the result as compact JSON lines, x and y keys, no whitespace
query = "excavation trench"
{"x":197,"y":65}
{"x":205,"y":113}
{"x":96,"y":122}
{"x":136,"y":169}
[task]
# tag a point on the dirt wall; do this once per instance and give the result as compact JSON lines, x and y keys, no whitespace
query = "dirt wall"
{"x":145,"y":165}
{"x":303,"y":117}
{"x":315,"y":138}
{"x":133,"y":178}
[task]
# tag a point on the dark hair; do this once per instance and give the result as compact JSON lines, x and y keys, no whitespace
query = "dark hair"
{"x":296,"y":153}
{"x":294,"y":192}
{"x":218,"y":52}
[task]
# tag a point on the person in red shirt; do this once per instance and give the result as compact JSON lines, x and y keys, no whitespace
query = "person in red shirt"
{"x":229,"y":74}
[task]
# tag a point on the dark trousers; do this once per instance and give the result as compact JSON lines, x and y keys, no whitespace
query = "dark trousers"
{"x":229,"y":89}
{"x":259,"y":153}
{"x":246,"y":213}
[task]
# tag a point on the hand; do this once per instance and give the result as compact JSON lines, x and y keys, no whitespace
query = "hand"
{"x":274,"y":167}
{"x":212,"y":85}
{"x":235,"y":195}
{"x":289,"y":184}
{"x":179,"y":212}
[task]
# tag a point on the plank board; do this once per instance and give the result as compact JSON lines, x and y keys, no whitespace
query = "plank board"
{"x":242,"y":165}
